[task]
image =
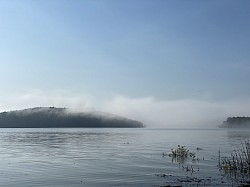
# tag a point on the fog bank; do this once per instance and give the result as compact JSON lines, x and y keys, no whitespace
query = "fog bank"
{"x":184,"y":113}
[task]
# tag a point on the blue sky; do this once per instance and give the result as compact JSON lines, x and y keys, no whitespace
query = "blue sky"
{"x":140,"y":50}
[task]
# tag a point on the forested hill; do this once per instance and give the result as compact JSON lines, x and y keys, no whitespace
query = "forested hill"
{"x":51,"y":117}
{"x":236,"y":122}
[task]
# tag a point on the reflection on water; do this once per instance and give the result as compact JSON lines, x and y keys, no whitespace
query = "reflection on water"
{"x":107,"y":157}
{"x":235,"y":135}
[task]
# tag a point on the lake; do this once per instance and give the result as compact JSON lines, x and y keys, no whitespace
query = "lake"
{"x":114,"y":157}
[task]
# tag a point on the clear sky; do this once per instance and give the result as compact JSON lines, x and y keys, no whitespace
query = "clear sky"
{"x":165,"y":59}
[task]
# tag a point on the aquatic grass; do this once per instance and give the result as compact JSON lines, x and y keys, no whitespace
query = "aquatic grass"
{"x":238,"y":161}
{"x":181,"y":152}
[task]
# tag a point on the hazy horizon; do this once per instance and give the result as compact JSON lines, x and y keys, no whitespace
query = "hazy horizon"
{"x":168,"y":64}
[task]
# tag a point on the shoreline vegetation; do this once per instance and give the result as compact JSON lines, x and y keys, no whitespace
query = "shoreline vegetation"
{"x":51,"y":117}
{"x":238,"y":162}
{"x":236,"y":122}
{"x":235,"y":168}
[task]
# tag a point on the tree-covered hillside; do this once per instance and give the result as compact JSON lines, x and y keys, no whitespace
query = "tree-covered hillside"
{"x":236,"y":122}
{"x":46,"y":117}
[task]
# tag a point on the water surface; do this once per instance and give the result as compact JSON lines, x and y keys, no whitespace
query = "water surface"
{"x":110,"y":157}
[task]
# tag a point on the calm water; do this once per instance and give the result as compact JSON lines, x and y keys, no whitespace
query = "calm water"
{"x":110,"y":157}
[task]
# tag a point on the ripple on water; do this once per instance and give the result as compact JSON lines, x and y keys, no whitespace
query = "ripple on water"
{"x":110,"y":157}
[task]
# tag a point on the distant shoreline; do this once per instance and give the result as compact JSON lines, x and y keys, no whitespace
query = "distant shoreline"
{"x":51,"y":117}
{"x":236,"y":122}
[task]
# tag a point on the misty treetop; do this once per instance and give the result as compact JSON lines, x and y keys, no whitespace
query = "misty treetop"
{"x":235,"y":122}
{"x":51,"y":117}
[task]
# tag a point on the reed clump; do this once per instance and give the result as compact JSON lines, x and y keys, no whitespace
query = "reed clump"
{"x":239,"y":161}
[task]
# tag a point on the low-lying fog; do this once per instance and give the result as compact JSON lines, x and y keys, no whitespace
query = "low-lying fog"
{"x":183,"y":113}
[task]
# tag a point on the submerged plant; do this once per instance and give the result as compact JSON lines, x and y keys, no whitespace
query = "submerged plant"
{"x":189,"y":169}
{"x":181,"y":154}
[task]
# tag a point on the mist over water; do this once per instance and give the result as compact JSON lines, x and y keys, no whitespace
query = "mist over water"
{"x":81,"y":79}
{"x":182,"y":113}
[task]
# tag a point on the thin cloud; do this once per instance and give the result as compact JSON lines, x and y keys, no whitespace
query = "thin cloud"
{"x":50,"y":98}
